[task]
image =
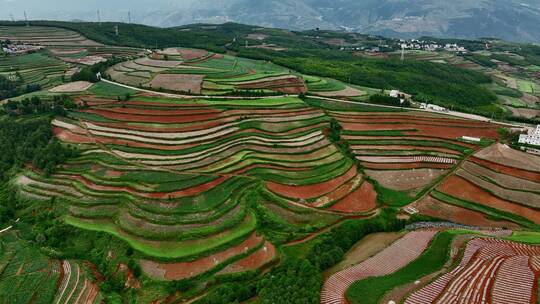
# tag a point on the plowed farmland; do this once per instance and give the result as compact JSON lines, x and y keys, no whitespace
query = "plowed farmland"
{"x":409,"y":151}
{"x":201,"y":72}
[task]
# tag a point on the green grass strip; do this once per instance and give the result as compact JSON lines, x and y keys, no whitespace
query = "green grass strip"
{"x":170,"y":250}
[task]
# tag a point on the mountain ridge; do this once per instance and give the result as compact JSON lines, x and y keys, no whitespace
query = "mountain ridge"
{"x":513,"y":20}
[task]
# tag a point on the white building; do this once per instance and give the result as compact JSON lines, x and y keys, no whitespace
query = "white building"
{"x":531,"y":138}
{"x":394,"y":93}
{"x":473,"y":139}
{"x":432,"y":107}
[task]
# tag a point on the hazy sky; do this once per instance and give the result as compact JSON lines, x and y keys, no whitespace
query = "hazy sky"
{"x":86,"y":10}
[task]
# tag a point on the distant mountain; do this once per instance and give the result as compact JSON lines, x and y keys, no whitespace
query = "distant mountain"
{"x":507,"y":19}
{"x":515,"y":20}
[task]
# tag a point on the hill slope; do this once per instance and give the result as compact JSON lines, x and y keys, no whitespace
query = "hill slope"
{"x":515,"y":20}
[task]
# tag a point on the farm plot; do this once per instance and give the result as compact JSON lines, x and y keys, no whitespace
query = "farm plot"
{"x":200,"y":72}
{"x":330,"y":88}
{"x":490,"y":271}
{"x":392,"y":258}
{"x":49,"y":36}
{"x":408,"y":151}
{"x":500,"y":178}
{"x":34,"y":69}
{"x":175,"y":179}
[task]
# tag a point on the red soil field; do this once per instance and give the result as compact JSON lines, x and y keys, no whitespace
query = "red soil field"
{"x":288,"y":85}
{"x":338,"y":193}
{"x":458,"y":187}
{"x":183,"y":270}
{"x":189,"y":54}
{"x":413,"y":119}
{"x":427,"y":130}
{"x":396,"y":147}
{"x":253,"y":261}
{"x":154,"y":195}
{"x":178,"y":82}
{"x":70,"y":137}
{"x":379,"y":166}
{"x":310,"y":191}
{"x":361,"y":200}
{"x":532,"y":176}
{"x":433,"y":207}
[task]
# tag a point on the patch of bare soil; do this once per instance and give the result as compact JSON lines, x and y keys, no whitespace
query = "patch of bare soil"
{"x":405,"y":180}
{"x":347,"y":92}
{"x":525,"y":112}
{"x":503,"y":154}
{"x":178,"y":82}
{"x":77,"y":86}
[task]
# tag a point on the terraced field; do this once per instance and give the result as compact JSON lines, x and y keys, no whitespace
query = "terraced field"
{"x":408,"y":151}
{"x":27,"y":276}
{"x":490,"y":271}
{"x":176,"y":179}
{"x":34,"y":69}
{"x":498,"y":181}
{"x":44,"y":36}
{"x":66,"y":45}
{"x":201,"y":72}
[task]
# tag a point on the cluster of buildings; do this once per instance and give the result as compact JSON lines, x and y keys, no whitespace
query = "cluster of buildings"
{"x":531,"y":138}
{"x":13,"y":48}
{"x":430,"y":46}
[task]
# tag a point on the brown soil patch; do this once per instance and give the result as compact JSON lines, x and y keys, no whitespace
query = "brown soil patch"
{"x":190,"y":54}
{"x":178,"y":82}
{"x":439,"y":131}
{"x":77,"y":86}
{"x":158,"y":63}
{"x":285,"y":84}
{"x":113,"y":173}
{"x":532,"y":176}
{"x":361,"y":200}
{"x":70,"y":137}
{"x":433,"y":207}
{"x":524,"y":112}
{"x":309,"y":191}
{"x":502,"y":154}
{"x":367,"y":247}
{"x":404,"y":180}
{"x":183,"y":270}
{"x":463,"y":189}
{"x":347,"y":92}
{"x":504,"y":180}
{"x":253,"y":261}
{"x":339,"y":192}
{"x":530,"y":100}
